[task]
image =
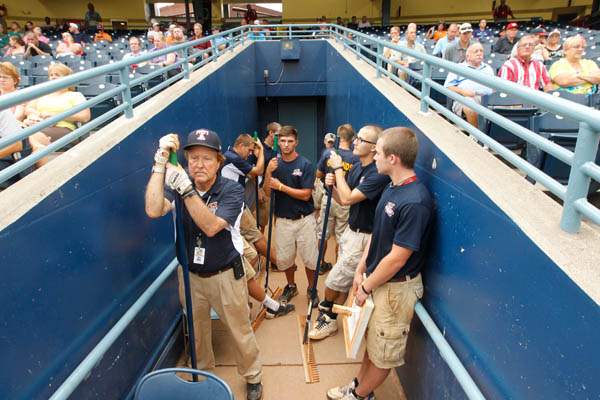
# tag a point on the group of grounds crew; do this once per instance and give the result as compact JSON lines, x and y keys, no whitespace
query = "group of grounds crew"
{"x":380,"y":215}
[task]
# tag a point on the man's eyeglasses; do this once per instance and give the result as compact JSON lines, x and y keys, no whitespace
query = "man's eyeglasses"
{"x":361,"y":140}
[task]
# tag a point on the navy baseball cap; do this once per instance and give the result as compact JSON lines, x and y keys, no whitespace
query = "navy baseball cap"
{"x":205,"y":138}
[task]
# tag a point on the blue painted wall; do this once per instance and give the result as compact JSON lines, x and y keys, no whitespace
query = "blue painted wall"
{"x":75,"y":262}
{"x":521,"y":326}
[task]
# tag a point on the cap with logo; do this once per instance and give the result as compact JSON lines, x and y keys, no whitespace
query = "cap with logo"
{"x":539,"y":32}
{"x":330,"y":137}
{"x":205,"y":138}
{"x":512,"y":25}
{"x":464,"y":28}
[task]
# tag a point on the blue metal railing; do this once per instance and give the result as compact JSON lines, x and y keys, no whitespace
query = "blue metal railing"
{"x":581,"y":161}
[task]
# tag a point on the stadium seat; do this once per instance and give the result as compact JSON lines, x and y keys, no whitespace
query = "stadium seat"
{"x":513,"y":109}
{"x":135,"y":90}
{"x":438,"y":75}
{"x":40,"y":60}
{"x":97,"y":80}
{"x":147,"y":69}
{"x":95,"y":89}
{"x":165,"y":384}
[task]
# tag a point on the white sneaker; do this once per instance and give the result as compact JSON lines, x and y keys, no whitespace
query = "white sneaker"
{"x":339,"y":392}
{"x":325,"y":326}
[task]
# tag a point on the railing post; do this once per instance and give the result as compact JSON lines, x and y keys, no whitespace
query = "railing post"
{"x":126,"y":94}
{"x":579,"y":183}
{"x":186,"y":64}
{"x":230,"y":42}
{"x":214,"y":48}
{"x":290,"y":31}
{"x":356,"y":42}
{"x":243,"y":36}
{"x":425,"y":88}
{"x":379,"y":59}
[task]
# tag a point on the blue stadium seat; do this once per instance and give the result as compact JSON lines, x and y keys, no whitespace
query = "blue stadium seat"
{"x":135,"y":90}
{"x":96,"y":89}
{"x":40,"y":60}
{"x":97,"y":80}
{"x":438,"y":75}
{"x":165,"y":384}
{"x":147,"y":69}
{"x":513,"y":109}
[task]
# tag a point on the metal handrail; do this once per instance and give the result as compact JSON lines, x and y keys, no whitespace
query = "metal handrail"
{"x":357,"y":42}
{"x":574,"y":195}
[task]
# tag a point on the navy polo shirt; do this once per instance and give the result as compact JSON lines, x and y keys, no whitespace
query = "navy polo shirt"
{"x":235,"y":167}
{"x":370,"y":183}
{"x":348,"y":159}
{"x":403,"y":218}
{"x":226,"y":200}
{"x":297,"y":174}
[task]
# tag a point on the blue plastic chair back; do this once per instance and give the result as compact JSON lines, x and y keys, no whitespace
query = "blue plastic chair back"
{"x":164,"y":384}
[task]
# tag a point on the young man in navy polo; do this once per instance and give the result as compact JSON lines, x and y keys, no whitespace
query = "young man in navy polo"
{"x":392,"y":262}
{"x":290,"y":179}
{"x":338,"y":214}
{"x":211,"y":215}
{"x":360,"y":189}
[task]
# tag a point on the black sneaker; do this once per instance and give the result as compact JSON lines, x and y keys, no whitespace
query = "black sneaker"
{"x":254,"y":391}
{"x":288,"y":292}
{"x":284,"y":308}
{"x":325,"y":268}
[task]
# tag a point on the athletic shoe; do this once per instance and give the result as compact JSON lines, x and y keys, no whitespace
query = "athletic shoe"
{"x":323,"y":308}
{"x":254,"y":391}
{"x":284,"y":308}
{"x":325,"y":268}
{"x":326,"y":326}
{"x":338,"y":393}
{"x":289,"y":291}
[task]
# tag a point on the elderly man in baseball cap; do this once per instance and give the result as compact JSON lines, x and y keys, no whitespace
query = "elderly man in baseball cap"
{"x":212,"y":206}
{"x":505,"y":44}
{"x":456,"y":52}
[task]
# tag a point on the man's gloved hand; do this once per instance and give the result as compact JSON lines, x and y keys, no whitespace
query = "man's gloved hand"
{"x":166,"y":144}
{"x":177,"y":179}
{"x":335,"y":161}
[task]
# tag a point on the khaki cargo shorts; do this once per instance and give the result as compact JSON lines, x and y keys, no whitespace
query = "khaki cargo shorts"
{"x":249,"y":255}
{"x":248,"y":228}
{"x":389,"y":325}
{"x":337,"y":221}
{"x":317,"y":194}
{"x":352,"y":245}
{"x":296,"y":237}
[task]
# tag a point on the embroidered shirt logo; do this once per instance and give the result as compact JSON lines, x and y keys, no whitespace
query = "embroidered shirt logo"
{"x":297,"y":172}
{"x":362,"y":178}
{"x":390,"y":208}
{"x":213,"y":206}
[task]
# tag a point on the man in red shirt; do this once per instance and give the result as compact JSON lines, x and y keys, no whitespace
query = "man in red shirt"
{"x":525,"y":71}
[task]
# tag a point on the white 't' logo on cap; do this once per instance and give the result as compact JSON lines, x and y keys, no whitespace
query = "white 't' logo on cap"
{"x":201,"y":134}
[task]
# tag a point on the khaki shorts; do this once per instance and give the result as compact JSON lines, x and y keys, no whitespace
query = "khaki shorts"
{"x":317,"y":194}
{"x":248,"y":227}
{"x":352,"y":245}
{"x":389,"y":325}
{"x":263,"y":211}
{"x":337,"y":221}
{"x":249,"y":255}
{"x":296,"y":237}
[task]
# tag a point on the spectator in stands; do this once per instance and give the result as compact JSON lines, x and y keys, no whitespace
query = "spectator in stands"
{"x":48,"y":25}
{"x":467,"y":87}
{"x":220,"y":42}
{"x":15,"y":28}
{"x":3,"y":13}
{"x":482,"y":30}
{"x":165,"y":59}
{"x":505,"y":44}
{"x":353,"y":24}
{"x":9,"y":126}
{"x":176,"y":36}
{"x":9,"y":80}
{"x":339,"y":21}
{"x":3,"y":39}
{"x":34,"y":47}
{"x":391,"y":54}
{"x":256,"y":33}
{"x":29,"y":26}
{"x":436,"y":33}
{"x":92,"y":19}
{"x":553,"y":44}
{"x":78,"y":37}
{"x":456,"y":52}
{"x":410,"y":41}
{"x":539,"y":53}
{"x":442,"y":44}
{"x":135,"y":51}
{"x":55,"y":103}
{"x":169,"y":32}
{"x":16,"y":46}
{"x":154,"y":31}
{"x":68,"y":46}
{"x":364,"y":23}
{"x":199,"y":34}
{"x":502,"y":12}
{"x":102,"y":35}
{"x":40,"y":36}
{"x":525,"y":71}
{"x":250,"y":14}
{"x":573,"y":73}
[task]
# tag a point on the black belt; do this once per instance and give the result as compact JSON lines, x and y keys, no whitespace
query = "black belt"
{"x":405,"y":278}
{"x":359,"y":230}
{"x":297,"y":217}
{"x":213,"y":273}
